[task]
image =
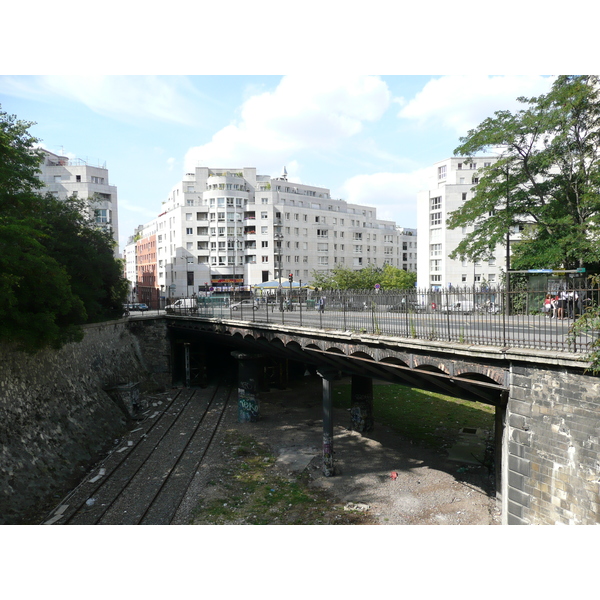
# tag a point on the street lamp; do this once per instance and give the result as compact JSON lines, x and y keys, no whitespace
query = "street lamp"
{"x":190,"y":261}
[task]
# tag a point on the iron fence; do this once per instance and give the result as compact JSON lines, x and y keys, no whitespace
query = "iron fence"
{"x":476,"y":316}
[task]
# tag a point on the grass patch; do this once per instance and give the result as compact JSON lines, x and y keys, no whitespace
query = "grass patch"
{"x":426,"y":418}
{"x":250,"y":493}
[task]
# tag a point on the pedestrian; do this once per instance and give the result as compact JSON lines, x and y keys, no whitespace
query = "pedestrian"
{"x":561,"y":303}
{"x":547,"y":306}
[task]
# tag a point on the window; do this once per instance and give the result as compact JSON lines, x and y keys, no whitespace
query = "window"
{"x":435,"y":250}
{"x":463,"y":278}
{"x":472,"y":165}
{"x":265,"y":259}
{"x":189,"y":231}
{"x":464,"y":195}
{"x":264,"y":230}
{"x":442,"y":172}
{"x":459,"y":166}
{"x":188,"y":216}
{"x":436,"y":204}
{"x":436,"y":218}
{"x":264,"y":244}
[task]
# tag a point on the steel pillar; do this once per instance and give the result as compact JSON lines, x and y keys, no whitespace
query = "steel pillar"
{"x":249,"y":382}
{"x":361,"y":401}
{"x":327,"y":375}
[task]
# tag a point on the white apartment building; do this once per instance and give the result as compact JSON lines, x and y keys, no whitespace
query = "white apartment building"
{"x":64,"y":177}
{"x":450,"y":185}
{"x":225,"y":228}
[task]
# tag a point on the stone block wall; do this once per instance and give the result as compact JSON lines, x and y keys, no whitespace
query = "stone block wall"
{"x":56,"y":416}
{"x":553,"y":432}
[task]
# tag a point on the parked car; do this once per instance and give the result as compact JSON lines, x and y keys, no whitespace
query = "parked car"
{"x":135,"y":306}
{"x":182,"y":305}
{"x":407,"y":307}
{"x":464,"y":307}
{"x":244,"y":304}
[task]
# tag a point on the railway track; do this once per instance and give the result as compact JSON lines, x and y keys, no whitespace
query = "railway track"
{"x":145,"y":479}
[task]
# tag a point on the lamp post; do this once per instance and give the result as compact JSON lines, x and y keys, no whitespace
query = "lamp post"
{"x":279,"y":241}
{"x":507,"y":309}
{"x":190,"y":261}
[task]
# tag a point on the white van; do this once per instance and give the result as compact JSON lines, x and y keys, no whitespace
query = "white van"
{"x":182,"y":305}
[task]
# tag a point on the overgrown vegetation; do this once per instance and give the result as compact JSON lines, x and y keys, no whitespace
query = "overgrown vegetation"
{"x":250,"y":493}
{"x":426,"y":418}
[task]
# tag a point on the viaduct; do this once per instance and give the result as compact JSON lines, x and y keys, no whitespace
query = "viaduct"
{"x":547,"y":425}
{"x":57,"y":413}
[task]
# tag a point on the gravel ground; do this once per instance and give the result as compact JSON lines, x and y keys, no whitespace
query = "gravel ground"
{"x":386,"y":479}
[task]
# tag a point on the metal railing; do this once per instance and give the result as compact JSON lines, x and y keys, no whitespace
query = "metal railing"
{"x":476,"y":316}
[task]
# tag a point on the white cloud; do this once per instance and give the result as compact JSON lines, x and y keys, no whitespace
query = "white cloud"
{"x":461,"y":102}
{"x":170,"y":99}
{"x":394,"y":194}
{"x":302,"y":113}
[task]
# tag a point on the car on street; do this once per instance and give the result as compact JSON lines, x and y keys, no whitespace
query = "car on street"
{"x":135,"y":306}
{"x":407,"y":307}
{"x":244,"y":304}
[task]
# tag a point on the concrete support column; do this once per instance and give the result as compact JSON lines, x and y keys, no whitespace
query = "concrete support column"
{"x":327,"y":375}
{"x":249,"y":381}
{"x":361,"y":401}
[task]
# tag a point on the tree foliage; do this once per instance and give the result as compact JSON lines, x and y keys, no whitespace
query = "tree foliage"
{"x":344,"y":278}
{"x":546,"y":180}
{"x":57,"y":269}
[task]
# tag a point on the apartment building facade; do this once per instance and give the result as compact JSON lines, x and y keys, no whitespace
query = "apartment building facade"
{"x":450,"y":185}
{"x":233,"y":228}
{"x":64,"y":177}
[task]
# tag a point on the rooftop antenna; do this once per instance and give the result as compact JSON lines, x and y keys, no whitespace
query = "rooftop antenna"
{"x":284,"y":174}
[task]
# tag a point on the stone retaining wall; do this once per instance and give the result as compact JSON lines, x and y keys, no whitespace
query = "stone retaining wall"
{"x":553,"y":433}
{"x":56,"y":416}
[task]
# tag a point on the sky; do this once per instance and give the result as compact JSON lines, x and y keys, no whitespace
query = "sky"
{"x":361,"y":101}
{"x":370,"y":139}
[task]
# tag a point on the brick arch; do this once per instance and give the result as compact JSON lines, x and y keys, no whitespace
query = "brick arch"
{"x":361,"y":354}
{"x":336,"y":350}
{"x":431,"y":364}
{"x":480,"y":372}
{"x":396,"y":360}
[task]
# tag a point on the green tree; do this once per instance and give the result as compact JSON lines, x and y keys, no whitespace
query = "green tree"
{"x":546,"y":180}
{"x":344,"y":278}
{"x":57,"y":269}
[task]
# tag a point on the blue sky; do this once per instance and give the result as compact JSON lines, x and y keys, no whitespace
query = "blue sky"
{"x":153,"y":93}
{"x":370,"y":139}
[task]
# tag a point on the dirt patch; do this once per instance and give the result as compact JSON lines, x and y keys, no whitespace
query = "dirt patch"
{"x":270,"y":472}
